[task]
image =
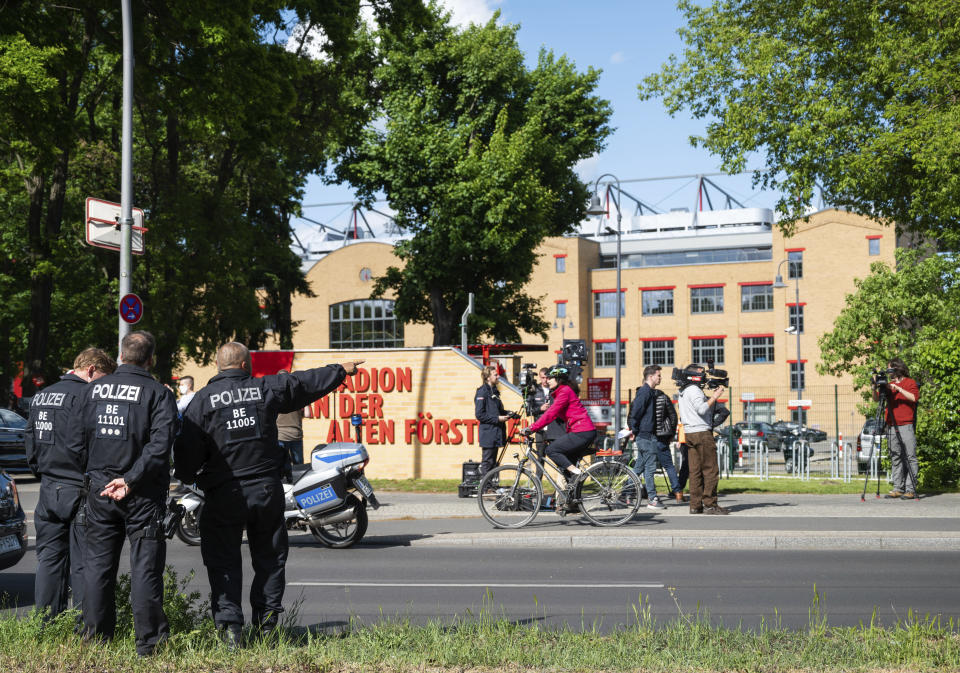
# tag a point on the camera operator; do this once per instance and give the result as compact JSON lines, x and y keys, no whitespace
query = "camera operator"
{"x":538,"y":399}
{"x":490,"y":412}
{"x":902,"y":394}
{"x":696,"y":414}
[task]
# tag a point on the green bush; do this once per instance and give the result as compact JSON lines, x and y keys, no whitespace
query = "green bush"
{"x":184,"y":610}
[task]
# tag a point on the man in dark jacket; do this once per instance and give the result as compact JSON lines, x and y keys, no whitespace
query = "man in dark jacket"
{"x":129,"y":421}
{"x":228,"y":446}
{"x":55,"y":453}
{"x":490,"y":412}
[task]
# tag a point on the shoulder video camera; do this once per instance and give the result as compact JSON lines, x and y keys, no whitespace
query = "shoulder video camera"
{"x":698,"y":376}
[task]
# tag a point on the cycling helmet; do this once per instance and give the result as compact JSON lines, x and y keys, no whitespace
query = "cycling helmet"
{"x":559,"y":373}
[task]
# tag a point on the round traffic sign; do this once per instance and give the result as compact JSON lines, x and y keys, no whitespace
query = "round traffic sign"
{"x":131,"y":308}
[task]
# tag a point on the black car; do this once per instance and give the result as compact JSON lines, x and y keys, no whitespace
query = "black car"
{"x":788,"y":430}
{"x":13,"y":523}
{"x":13,"y":453}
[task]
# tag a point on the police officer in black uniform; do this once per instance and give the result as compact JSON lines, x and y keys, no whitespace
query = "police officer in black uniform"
{"x":488,"y":409}
{"x":55,"y":453}
{"x":129,"y":426}
{"x":228,"y":446}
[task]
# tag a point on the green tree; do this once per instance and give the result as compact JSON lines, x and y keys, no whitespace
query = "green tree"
{"x":475,"y":153}
{"x":908,"y":313}
{"x":858,"y":97}
{"x":229,"y":120}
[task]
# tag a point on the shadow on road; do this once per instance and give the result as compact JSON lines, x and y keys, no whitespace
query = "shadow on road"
{"x":16,"y":590}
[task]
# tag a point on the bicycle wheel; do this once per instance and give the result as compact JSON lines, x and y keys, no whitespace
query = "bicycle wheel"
{"x":509,"y":496}
{"x":608,"y":493}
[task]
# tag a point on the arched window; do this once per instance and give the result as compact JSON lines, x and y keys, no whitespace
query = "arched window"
{"x":364,"y":323}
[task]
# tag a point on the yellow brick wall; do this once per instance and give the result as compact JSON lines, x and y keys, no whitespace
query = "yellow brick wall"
{"x":440,"y":395}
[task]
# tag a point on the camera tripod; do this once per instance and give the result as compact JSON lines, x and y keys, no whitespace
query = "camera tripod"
{"x":880,"y":422}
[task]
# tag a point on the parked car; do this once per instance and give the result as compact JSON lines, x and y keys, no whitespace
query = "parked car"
{"x":762,"y":431}
{"x":13,"y":523}
{"x":13,"y":453}
{"x":788,"y":429}
{"x":868,"y":435}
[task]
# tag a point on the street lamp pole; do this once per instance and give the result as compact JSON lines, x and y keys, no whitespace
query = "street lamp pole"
{"x":126,"y":166}
{"x":796,"y":326}
{"x":596,"y":208}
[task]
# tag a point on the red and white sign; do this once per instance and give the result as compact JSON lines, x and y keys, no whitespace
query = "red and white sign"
{"x":599,"y":389}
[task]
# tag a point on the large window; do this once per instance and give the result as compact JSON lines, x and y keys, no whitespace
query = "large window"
{"x":705,"y":350}
{"x":657,"y":302}
{"x":605,"y":304}
{"x":605,"y":354}
{"x":688,"y":257}
{"x":796,"y":316}
{"x":756,"y":297}
{"x":706,"y":300}
{"x":757,"y":349}
{"x":659,"y":352}
{"x":795,"y":265}
{"x":364,"y":323}
{"x":798,"y":378}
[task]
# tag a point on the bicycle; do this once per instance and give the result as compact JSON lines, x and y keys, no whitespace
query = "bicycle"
{"x":607,"y":493}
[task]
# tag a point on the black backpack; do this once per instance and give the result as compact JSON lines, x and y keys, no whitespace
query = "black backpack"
{"x":666,"y":415}
{"x":720,"y":415}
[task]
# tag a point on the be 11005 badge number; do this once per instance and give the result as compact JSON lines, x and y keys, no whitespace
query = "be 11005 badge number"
{"x":240,"y":423}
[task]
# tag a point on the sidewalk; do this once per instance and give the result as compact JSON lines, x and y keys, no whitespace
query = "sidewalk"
{"x":758,"y":521}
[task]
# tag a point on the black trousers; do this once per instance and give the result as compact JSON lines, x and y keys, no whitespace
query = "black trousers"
{"x":61,"y":545}
{"x":488,"y":459}
{"x":140,"y":519}
{"x":684,"y":472}
{"x":570,"y":448}
{"x":257,"y":505}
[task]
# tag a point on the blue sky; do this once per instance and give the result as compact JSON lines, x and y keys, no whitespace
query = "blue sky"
{"x":627,"y":40}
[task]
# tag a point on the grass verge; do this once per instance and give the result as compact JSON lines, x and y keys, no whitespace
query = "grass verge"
{"x":487,"y":643}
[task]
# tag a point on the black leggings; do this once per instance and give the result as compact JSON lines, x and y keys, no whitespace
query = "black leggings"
{"x":567,"y":450}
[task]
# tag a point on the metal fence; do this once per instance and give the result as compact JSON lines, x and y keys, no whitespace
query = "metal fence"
{"x":834,"y":410}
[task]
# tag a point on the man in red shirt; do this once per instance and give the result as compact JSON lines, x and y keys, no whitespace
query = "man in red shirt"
{"x":902,"y":396}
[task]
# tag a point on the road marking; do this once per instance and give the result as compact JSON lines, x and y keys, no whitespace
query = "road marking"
{"x":480,"y":585}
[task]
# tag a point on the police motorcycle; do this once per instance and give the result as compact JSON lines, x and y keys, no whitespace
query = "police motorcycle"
{"x":328,"y":497}
{"x":186,"y":506}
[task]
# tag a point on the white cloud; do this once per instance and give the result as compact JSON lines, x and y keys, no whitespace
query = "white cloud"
{"x":586,"y":169}
{"x":464,"y":12}
{"x":618,"y":57}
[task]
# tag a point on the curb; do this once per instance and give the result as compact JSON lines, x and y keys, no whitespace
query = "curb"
{"x":733,"y":540}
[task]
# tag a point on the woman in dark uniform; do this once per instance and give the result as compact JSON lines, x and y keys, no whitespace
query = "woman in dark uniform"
{"x":492,"y":416}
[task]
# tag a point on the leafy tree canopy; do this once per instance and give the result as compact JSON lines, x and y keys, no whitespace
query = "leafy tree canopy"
{"x":858,"y":97}
{"x":230,"y":117}
{"x":908,"y":313}
{"x":475,"y":152}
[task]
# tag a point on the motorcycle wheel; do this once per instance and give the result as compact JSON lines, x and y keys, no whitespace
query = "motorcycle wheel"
{"x":347,"y":533}
{"x":189,"y":528}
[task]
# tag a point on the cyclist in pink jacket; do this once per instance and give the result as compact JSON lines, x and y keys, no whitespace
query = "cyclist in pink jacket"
{"x":577,"y":443}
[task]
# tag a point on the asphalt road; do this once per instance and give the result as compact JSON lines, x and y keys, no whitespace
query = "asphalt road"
{"x":586,"y":588}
